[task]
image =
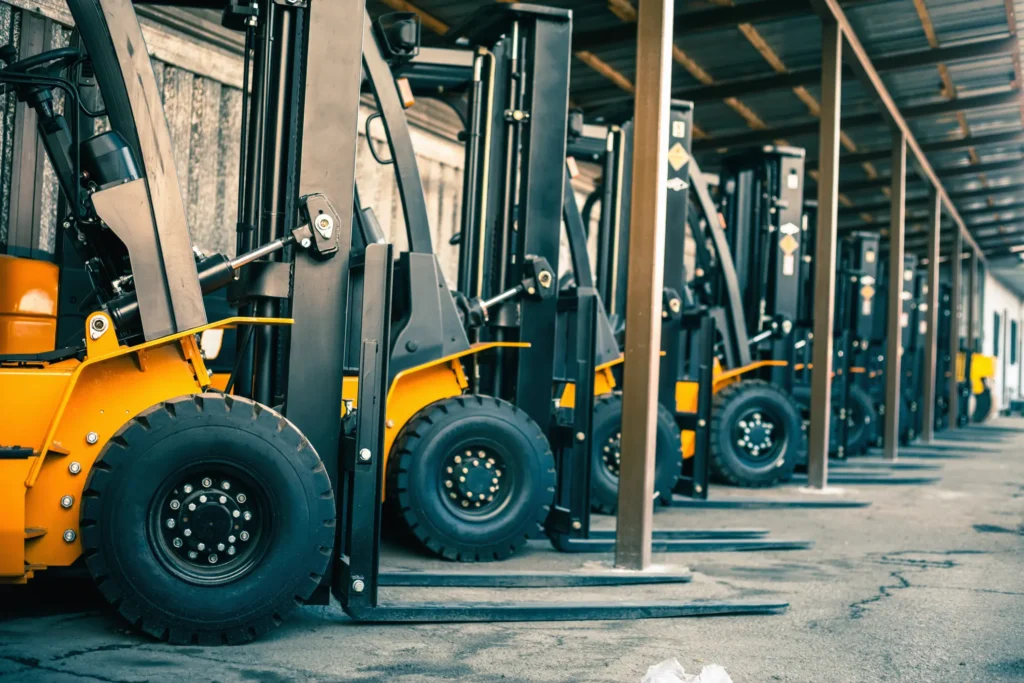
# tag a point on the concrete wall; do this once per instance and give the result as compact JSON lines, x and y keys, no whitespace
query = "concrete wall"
{"x":999,"y":300}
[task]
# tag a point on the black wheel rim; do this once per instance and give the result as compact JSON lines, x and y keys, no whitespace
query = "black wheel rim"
{"x":476,"y":481}
{"x":210,"y":524}
{"x":759,"y":435}
{"x":609,"y":455}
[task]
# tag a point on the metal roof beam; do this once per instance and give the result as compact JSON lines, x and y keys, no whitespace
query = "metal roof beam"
{"x":858,"y":56}
{"x":694,"y":22}
{"x":1007,"y":138}
{"x":806,"y":77}
{"x":758,"y":137}
{"x":983,"y":193}
{"x":994,"y":167}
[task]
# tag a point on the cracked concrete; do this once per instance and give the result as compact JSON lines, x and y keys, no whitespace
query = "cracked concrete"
{"x":925,"y":585}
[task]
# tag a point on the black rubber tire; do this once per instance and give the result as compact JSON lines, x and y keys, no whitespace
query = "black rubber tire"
{"x":668,"y":458}
{"x":415,"y":474}
{"x":155,"y":447}
{"x":864,"y":422}
{"x":982,"y":406}
{"x":730,"y":404}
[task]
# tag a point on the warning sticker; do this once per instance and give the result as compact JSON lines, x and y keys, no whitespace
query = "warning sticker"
{"x":677,"y":156}
{"x":679,"y":129}
{"x":867,"y":293}
{"x":789,"y":244}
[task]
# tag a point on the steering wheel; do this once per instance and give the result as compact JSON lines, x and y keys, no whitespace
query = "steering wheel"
{"x":65,"y":56}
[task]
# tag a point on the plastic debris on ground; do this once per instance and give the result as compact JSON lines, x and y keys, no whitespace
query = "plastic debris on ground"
{"x":671,"y":671}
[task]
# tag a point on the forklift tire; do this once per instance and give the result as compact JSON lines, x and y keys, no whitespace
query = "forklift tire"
{"x":864,"y":422}
{"x":982,"y":405}
{"x":755,"y":403}
{"x":604,"y":467}
{"x":207,"y":520}
{"x":472,"y":478}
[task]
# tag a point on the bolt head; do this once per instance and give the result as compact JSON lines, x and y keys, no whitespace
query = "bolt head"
{"x":358,"y":586}
{"x":220,"y":546}
{"x":75,"y":467}
{"x":200,"y":546}
{"x":202,"y":499}
{"x":247,"y":515}
{"x":240,"y":498}
{"x":231,"y":539}
{"x":244,"y":536}
{"x":170,"y":523}
{"x":187,"y":488}
{"x":70,"y":535}
{"x":212,"y":559}
{"x":207,"y":483}
{"x":66,"y":502}
{"x":192,"y":507}
{"x":175,"y":504}
{"x":305,"y":243}
{"x":231,"y":550}
{"x":577,"y":525}
{"x":223,"y":499}
{"x":187,"y":532}
{"x":236,"y":514}
{"x":177,"y":543}
{"x":580,"y":436}
{"x":225,"y":485}
{"x":192,"y":554}
{"x":364,"y":454}
{"x":91,"y":438}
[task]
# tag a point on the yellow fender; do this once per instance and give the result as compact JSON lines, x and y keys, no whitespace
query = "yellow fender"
{"x":414,"y":389}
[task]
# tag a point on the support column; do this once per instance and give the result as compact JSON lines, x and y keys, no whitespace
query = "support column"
{"x":972,"y":302}
{"x":644,"y":289}
{"x":956,"y":313}
{"x":825,"y":256}
{"x":894,"y":330}
{"x":932,"y":316}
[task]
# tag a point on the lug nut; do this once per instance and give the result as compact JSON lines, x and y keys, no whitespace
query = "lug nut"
{"x":364,"y":454}
{"x":175,"y":504}
{"x":244,"y":535}
{"x":207,"y":483}
{"x":177,"y":543}
{"x":69,"y":536}
{"x":66,"y":502}
{"x":187,"y":532}
{"x":170,"y":524}
{"x":231,"y":539}
{"x":74,"y":467}
{"x":192,"y":507}
{"x":192,"y":554}
{"x":187,"y":488}
{"x":240,"y":498}
{"x":220,"y":547}
{"x":213,"y":559}
{"x":236,"y":514}
{"x":202,"y":499}
{"x":225,"y":485}
{"x":247,"y":515}
{"x":222,"y":499}
{"x":231,"y":550}
{"x":200,"y":546}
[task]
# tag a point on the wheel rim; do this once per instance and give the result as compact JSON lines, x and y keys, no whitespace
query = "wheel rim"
{"x":759,"y":436}
{"x":611,"y":455}
{"x":476,"y":482}
{"x":210,"y":524}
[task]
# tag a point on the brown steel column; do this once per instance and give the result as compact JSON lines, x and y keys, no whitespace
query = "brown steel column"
{"x":644,"y":288}
{"x":956,"y":268}
{"x":931,"y":335}
{"x":894,"y":330}
{"x":825,"y":256}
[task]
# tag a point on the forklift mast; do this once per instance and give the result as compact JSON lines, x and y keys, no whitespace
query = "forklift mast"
{"x":762,"y":201}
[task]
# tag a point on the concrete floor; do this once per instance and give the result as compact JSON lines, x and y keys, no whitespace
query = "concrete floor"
{"x":927,"y":584}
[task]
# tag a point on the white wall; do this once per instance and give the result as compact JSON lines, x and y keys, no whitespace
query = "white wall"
{"x":999,"y":299}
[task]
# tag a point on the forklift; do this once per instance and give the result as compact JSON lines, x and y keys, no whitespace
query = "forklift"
{"x":243,"y":511}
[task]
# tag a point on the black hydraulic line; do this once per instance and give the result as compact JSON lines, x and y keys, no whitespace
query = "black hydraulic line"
{"x":275,"y":176}
{"x":471,"y":185}
{"x":403,"y":156}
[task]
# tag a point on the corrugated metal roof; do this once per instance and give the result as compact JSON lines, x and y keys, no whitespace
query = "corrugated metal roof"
{"x":787,"y":36}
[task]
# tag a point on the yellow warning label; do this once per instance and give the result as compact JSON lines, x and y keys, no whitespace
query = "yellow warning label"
{"x":788,"y":245}
{"x":677,"y":156}
{"x":867,"y":291}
